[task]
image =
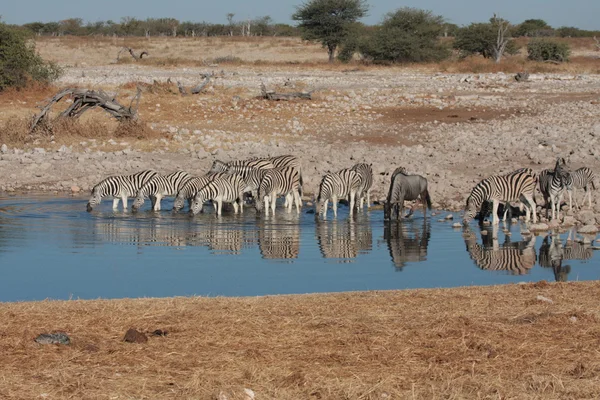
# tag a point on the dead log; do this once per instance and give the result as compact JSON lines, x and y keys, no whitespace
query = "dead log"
{"x":84,"y":100}
{"x":522,"y":76}
{"x":272,"y":95}
{"x":199,"y":88}
{"x":132,"y":53}
{"x":181,"y":89}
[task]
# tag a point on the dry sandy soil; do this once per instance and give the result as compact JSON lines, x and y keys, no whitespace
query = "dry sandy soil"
{"x":530,"y":341}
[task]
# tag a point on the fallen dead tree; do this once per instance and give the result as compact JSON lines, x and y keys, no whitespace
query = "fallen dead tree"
{"x":132,"y":53}
{"x":196,"y":89}
{"x":84,"y":100}
{"x":272,"y":95}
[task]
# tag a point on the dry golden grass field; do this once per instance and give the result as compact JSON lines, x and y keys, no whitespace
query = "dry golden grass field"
{"x":530,"y":341}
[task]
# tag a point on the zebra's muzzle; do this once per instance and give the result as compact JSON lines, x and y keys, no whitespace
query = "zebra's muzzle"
{"x":89,"y":207}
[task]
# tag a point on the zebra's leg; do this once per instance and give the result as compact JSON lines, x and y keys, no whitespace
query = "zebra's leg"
{"x":157,"y":202}
{"x":298,"y":201}
{"x":589,"y":193}
{"x":529,"y":207}
{"x":235,"y":206}
{"x":334,"y":201}
{"x":124,"y":200}
{"x":352,"y":200}
{"x":273,"y":202}
{"x":495,"y":212}
{"x":219,"y":206}
{"x":115,"y":203}
{"x":325,"y":204}
{"x":240,"y":201}
{"x":368,"y":199}
{"x":570,"y":200}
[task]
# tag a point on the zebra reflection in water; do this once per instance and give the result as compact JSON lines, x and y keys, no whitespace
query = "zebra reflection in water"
{"x":516,"y":258}
{"x":279,"y":238}
{"x":407,"y":241}
{"x":553,"y":253}
{"x":344,"y":240}
{"x":220,"y":237}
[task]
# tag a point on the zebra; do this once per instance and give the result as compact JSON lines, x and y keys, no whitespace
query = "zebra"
{"x":552,"y":184}
{"x":486,"y":206}
{"x":160,"y":186}
{"x":278,"y":181}
{"x":334,"y":186}
{"x":405,"y":187}
{"x":407,"y":245}
{"x":365,"y":172}
{"x":191,"y":187}
{"x":582,"y":178}
{"x":517,"y":258}
{"x":220,"y":166}
{"x":502,"y":188}
{"x":119,"y":187}
{"x":227,"y":188}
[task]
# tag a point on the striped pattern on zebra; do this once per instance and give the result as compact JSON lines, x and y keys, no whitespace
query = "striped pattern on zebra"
{"x":365,"y":172}
{"x":502,"y":188}
{"x":582,"y":178}
{"x":552,"y":184}
{"x":191,"y":187}
{"x":220,"y":166}
{"x":279,"y":181}
{"x":486,"y":207}
{"x":517,"y":258}
{"x":405,"y":187}
{"x":159,"y":187}
{"x":335,"y":186}
{"x":227,"y":188}
{"x":120,"y":187}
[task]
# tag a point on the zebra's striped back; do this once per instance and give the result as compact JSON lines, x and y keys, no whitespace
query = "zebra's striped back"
{"x":581,"y":178}
{"x":285,"y":161}
{"x":120,"y":186}
{"x":337,"y":184}
{"x":162,"y":185}
{"x":502,"y":188}
{"x":227,"y":188}
{"x":220,"y":166}
{"x":365,"y":172}
{"x":189,"y":189}
{"x":277,"y":181}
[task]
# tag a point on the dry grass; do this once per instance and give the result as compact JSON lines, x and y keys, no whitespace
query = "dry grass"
{"x":486,"y":342}
{"x":514,"y":64}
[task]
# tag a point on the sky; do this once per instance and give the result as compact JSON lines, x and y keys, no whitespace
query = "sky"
{"x":579,"y":13}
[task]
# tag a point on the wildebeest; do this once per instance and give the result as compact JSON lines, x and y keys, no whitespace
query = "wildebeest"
{"x":405,"y":187}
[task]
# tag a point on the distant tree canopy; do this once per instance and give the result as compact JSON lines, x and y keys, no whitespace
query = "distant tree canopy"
{"x":329,"y":21}
{"x":533,"y":28}
{"x":407,"y":35}
{"x":483,"y":38}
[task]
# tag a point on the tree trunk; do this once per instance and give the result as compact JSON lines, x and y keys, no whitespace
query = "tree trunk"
{"x":331,"y":52}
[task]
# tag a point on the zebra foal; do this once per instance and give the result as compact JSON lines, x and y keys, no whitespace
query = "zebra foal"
{"x":227,"y":188}
{"x":335,"y":186}
{"x":582,"y":178}
{"x":159,"y":187}
{"x":502,"y":188}
{"x":277,"y":181}
{"x":120,"y":187}
{"x":365,"y":172}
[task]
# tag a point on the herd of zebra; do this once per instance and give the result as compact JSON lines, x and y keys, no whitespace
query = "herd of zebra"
{"x":520,"y":186}
{"x":265,"y":179}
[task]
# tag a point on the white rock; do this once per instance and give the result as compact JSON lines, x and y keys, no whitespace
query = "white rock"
{"x":544,"y":299}
{"x":588,"y":229}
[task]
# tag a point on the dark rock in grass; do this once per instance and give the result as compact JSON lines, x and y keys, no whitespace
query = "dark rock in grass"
{"x":133,"y":336}
{"x":53,"y":338}
{"x":159,"y":332}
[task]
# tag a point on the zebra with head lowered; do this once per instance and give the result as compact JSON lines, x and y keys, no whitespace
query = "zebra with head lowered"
{"x":226,"y":188}
{"x":486,"y":207}
{"x":191,"y":187}
{"x":160,"y":186}
{"x":335,"y":186}
{"x":405,"y":187}
{"x":277,"y":181}
{"x":582,"y":178}
{"x":365,"y":172}
{"x":120,"y":187}
{"x":502,"y":188}
{"x":552,"y":185}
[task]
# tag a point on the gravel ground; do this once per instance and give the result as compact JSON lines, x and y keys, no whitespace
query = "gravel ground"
{"x":383,"y":116}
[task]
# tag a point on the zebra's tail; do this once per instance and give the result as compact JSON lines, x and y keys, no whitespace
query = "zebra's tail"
{"x":428,"y":199}
{"x":593,"y":184}
{"x":301,"y":190}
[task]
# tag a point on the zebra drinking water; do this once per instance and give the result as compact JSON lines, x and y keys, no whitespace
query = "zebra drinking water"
{"x":365,"y":172}
{"x":335,"y":186}
{"x":120,"y":187}
{"x":227,"y":188}
{"x":160,"y":186}
{"x":277,"y":181}
{"x":502,"y":188}
{"x":582,"y":178}
{"x":405,"y":187}
{"x":191,"y":187}
{"x":486,"y":206}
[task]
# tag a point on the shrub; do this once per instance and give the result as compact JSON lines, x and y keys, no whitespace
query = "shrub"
{"x":19,"y":63}
{"x":407,"y":35}
{"x":548,"y":50}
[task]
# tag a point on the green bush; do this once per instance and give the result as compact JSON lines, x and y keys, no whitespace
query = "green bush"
{"x":548,"y":50}
{"x":407,"y":35}
{"x":19,"y":63}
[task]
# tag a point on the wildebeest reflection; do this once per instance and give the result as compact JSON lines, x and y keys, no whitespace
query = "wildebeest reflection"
{"x":344,"y":239}
{"x":407,"y":241}
{"x":516,"y":258}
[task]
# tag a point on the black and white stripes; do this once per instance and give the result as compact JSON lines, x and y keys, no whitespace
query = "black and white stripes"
{"x":226,"y":188}
{"x":335,"y":186}
{"x":159,"y":187}
{"x":119,"y":187}
{"x":279,"y":181}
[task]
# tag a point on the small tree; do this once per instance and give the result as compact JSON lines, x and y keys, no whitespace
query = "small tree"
{"x":533,"y":28}
{"x":329,"y":21}
{"x":407,"y":35}
{"x":491,"y":40}
{"x":19,"y":62}
{"x":548,"y":50}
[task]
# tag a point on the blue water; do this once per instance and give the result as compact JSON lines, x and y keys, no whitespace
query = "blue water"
{"x":50,"y":247}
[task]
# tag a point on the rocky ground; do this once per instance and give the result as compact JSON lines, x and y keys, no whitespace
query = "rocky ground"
{"x":454,"y":129}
